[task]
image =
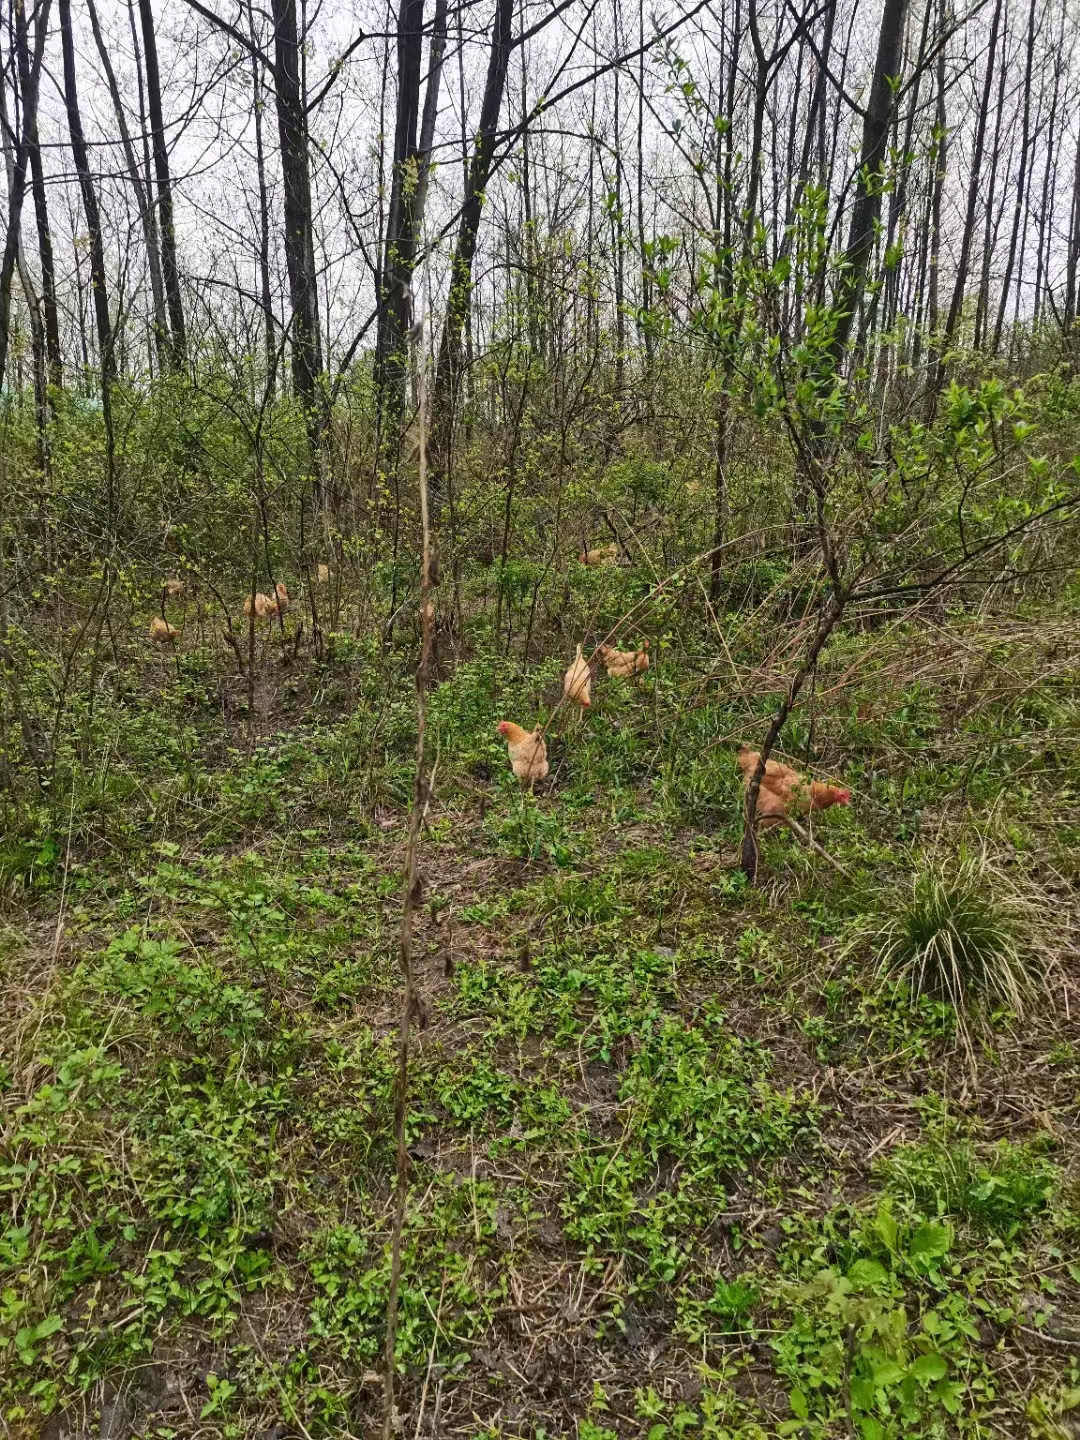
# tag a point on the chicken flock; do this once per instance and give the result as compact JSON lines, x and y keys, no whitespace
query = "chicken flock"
{"x":783,"y":792}
{"x":263,"y":607}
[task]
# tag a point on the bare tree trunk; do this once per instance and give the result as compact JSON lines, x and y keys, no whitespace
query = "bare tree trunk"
{"x":1021,"y":183}
{"x":761,"y":95}
{"x":41,"y":208}
{"x":170,"y":272}
{"x":618,"y":257}
{"x":1072,"y":264}
{"x":142,"y":197}
{"x":1049,"y":185}
{"x":98,"y":282}
{"x":430,"y":116}
{"x":299,"y":231}
{"x":865,"y":216}
{"x":468,"y":346}
{"x":982,"y":303}
{"x":960,"y":283}
{"x":257,"y":102}
{"x":408,"y":196}
{"x":37,"y":333}
{"x":899,"y":201}
{"x":940,"y":163}
{"x":400,"y":248}
{"x":16,"y":195}
{"x":866,"y":210}
{"x":726,"y":208}
{"x":459,"y":300}
{"x":645,"y":276}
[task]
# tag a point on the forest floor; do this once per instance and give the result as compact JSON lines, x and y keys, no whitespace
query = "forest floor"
{"x":683,"y":1162}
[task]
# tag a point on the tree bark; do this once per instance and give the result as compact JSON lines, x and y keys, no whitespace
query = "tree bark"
{"x":960,"y":283}
{"x":170,"y":272}
{"x":866,"y":210}
{"x":1072,"y":264}
{"x":899,"y":201}
{"x":299,"y":230}
{"x":1021,"y":183}
{"x":142,"y":198}
{"x":726,"y":219}
{"x":17,"y":194}
{"x":430,"y":116}
{"x":50,"y":311}
{"x":400,"y":247}
{"x":98,"y":283}
{"x":269,"y":341}
{"x":37,"y":334}
{"x":1049,"y":185}
{"x":459,"y":299}
{"x":940,"y":161}
{"x":982,"y":302}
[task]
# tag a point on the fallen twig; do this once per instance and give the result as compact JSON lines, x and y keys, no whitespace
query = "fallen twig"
{"x":809,"y":841}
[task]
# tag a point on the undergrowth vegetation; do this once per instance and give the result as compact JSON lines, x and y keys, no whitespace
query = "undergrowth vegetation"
{"x":722,"y":1080}
{"x":688,"y":1157}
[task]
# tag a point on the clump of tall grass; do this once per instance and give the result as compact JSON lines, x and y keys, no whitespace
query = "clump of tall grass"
{"x":963,"y":935}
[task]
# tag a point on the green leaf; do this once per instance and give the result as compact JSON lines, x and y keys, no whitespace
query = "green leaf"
{"x":885,"y":1226}
{"x":865,"y":1273}
{"x":799,"y":1408}
{"x":950,"y":1394}
{"x":31,"y":1334}
{"x":930,"y":1242}
{"x":887,"y":1372}
{"x":928,"y":1368}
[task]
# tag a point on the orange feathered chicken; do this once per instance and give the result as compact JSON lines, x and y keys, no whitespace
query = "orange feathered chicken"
{"x":282,"y":596}
{"x":527,"y":751}
{"x":785,"y":792}
{"x":161,"y":632}
{"x":602,"y":555}
{"x":577,"y":682}
{"x":624,"y":664}
{"x":264,"y":607}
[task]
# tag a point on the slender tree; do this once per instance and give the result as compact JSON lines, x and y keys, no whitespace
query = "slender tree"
{"x":459,"y":300}
{"x":98,"y":277}
{"x":16,"y":195}
{"x":299,"y":225}
{"x":265,"y":292}
{"x":982,"y":303}
{"x":400,"y":242}
{"x":939,"y":160}
{"x":170,"y":271}
{"x":1021,"y":179}
{"x":966,"y":240}
{"x":865,"y":216}
{"x":143,"y":197}
{"x":50,"y":310}
{"x":37,"y":334}
{"x":1072,"y":262}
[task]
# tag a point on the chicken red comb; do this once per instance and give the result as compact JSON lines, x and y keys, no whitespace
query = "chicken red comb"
{"x":843,"y":797}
